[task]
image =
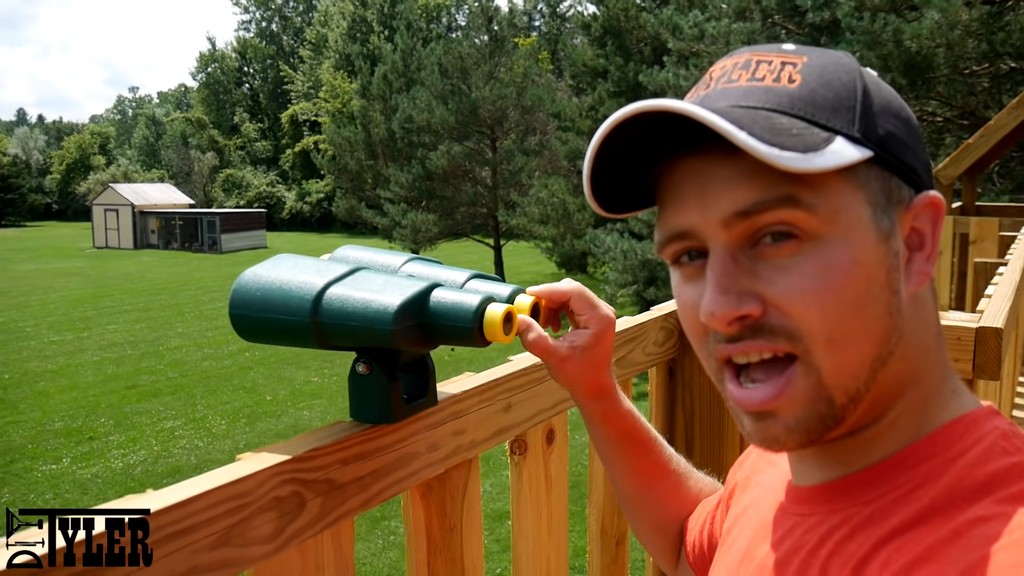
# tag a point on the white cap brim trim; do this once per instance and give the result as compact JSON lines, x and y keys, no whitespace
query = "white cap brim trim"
{"x":840,"y":153}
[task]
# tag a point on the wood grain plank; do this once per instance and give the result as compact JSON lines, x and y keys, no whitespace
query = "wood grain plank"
{"x":662,"y":400}
{"x":992,"y":345}
{"x":984,"y":244}
{"x":607,"y":528}
{"x":539,"y":490}
{"x":710,"y":438}
{"x":977,"y":146}
{"x":944,"y":266}
{"x":329,"y":553}
{"x":960,"y":333}
{"x":984,"y":271}
{"x":443,"y":517}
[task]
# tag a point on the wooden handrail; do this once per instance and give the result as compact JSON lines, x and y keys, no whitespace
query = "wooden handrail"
{"x":292,"y":491}
{"x":289,"y":508}
{"x":1000,"y":337}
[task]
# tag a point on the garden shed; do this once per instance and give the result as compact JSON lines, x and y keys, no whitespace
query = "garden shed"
{"x":158,"y":215}
{"x":116,"y":212}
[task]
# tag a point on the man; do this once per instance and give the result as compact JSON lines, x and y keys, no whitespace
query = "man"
{"x":800,"y":230}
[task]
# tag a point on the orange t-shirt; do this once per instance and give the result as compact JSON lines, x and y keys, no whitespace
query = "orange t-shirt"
{"x":952,"y":503}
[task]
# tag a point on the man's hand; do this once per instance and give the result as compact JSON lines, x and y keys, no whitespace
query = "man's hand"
{"x":581,"y":359}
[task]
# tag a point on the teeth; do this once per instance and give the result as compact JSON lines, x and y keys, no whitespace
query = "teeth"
{"x":753,"y":357}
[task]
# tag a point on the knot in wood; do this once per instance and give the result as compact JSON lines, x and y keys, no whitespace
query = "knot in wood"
{"x":517,"y":447}
{"x":549,"y":437}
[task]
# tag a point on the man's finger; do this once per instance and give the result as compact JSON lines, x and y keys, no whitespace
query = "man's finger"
{"x":571,"y":295}
{"x":535,"y":340}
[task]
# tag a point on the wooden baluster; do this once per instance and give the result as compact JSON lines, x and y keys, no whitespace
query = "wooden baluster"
{"x":539,"y":493}
{"x":662,"y":397}
{"x":329,"y":553}
{"x":444,"y":525}
{"x":944,"y":267}
{"x":984,"y":274}
{"x":984,"y":243}
{"x":711,"y":440}
{"x":607,"y":529}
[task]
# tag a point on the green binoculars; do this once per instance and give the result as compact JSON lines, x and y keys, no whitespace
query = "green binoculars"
{"x":390,"y":308}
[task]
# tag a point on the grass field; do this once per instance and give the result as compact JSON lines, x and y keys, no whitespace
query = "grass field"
{"x":120,"y":372}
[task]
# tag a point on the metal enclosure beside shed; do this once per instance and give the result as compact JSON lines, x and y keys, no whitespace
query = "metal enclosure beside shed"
{"x":206,"y":230}
{"x":158,"y":215}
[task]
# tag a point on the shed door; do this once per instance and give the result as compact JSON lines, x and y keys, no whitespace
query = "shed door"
{"x":112,"y":225}
{"x":212,"y":233}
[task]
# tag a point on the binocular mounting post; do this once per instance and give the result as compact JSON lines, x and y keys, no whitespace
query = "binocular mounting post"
{"x":387,"y":385}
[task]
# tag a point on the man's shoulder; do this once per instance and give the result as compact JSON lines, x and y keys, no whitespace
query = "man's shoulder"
{"x":756,"y":461}
{"x":995,"y":435}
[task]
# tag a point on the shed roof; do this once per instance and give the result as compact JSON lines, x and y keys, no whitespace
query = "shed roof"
{"x":204,"y":211}
{"x":151,"y":194}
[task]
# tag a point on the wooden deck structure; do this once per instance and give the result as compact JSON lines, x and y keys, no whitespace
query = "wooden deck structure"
{"x":289,"y":509}
{"x":979,"y":242}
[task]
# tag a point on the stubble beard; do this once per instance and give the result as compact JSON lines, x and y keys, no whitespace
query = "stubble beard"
{"x":824,"y":413}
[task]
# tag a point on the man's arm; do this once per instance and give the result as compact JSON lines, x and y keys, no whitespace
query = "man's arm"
{"x":657,"y":488}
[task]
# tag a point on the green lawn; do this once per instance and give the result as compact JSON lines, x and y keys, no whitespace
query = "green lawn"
{"x":120,"y":372}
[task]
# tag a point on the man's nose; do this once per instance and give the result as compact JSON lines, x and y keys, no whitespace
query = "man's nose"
{"x":730,"y":300}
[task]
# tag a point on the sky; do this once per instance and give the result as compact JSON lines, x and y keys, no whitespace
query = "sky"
{"x":71,"y":58}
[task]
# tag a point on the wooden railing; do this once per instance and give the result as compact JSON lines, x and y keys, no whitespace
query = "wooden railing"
{"x":973,"y":247}
{"x":979,"y":286}
{"x":290,"y":508}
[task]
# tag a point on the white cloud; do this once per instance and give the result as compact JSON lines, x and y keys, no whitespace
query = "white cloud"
{"x":71,"y":58}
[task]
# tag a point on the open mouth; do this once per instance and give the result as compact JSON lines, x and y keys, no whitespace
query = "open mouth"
{"x":753,"y":370}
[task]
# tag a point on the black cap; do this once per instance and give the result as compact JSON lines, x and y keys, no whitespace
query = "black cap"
{"x":800,"y":109}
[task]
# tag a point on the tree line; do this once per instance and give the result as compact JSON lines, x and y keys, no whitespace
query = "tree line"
{"x":425,"y":121}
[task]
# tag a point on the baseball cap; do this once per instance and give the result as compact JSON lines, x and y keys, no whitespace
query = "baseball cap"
{"x":801,"y":109}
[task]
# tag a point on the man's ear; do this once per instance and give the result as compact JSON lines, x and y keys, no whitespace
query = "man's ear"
{"x":921,"y":228}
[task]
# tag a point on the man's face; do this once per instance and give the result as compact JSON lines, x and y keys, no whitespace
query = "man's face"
{"x":787,"y":291}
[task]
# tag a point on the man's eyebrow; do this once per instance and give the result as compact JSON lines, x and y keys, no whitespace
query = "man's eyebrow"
{"x":758,"y":207}
{"x":674,"y":237}
{"x":754,"y":209}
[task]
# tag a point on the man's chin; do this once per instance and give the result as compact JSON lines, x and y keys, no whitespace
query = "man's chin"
{"x":774,"y":434}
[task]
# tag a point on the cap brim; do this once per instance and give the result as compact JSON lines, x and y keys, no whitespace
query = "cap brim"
{"x":629,"y":146}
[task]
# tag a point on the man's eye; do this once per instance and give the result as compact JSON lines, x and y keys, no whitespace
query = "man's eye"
{"x":776,"y":236}
{"x":691,"y":256}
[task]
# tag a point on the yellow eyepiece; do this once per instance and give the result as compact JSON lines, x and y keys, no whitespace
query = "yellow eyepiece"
{"x":500,"y":323}
{"x":531,"y":306}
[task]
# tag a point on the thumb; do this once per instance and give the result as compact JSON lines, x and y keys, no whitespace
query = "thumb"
{"x":535,"y":340}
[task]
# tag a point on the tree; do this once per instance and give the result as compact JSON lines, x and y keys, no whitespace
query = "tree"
{"x":123,"y":116}
{"x":21,"y":118}
{"x":28,"y":144}
{"x":77,"y":158}
{"x":19,"y":201}
{"x":28,"y":149}
{"x":270,"y":36}
{"x":497,"y":94}
{"x":452,"y":132}
{"x":120,"y":171}
{"x":219,"y":92}
{"x":193,"y":153}
{"x":252,"y":188}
